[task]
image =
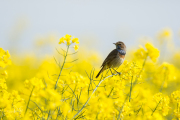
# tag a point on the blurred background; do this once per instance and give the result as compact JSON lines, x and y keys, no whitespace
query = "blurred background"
{"x":35,"y":27}
{"x":30,"y":31}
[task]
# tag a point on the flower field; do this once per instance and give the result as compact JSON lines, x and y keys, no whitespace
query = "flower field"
{"x":63,"y":86}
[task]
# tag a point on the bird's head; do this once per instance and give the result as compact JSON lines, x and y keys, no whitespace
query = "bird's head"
{"x":120,"y":45}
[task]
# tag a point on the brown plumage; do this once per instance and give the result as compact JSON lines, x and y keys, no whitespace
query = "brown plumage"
{"x":115,"y":57}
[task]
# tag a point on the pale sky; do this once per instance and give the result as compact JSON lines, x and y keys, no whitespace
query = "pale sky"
{"x":102,"y":22}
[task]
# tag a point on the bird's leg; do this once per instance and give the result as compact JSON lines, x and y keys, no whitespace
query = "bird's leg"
{"x":111,"y":71}
{"x":116,"y":71}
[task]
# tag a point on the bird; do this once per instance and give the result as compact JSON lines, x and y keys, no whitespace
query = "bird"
{"x":115,"y":58}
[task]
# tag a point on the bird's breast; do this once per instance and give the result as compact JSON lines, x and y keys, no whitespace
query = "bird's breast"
{"x":118,"y":60}
{"x":121,"y":56}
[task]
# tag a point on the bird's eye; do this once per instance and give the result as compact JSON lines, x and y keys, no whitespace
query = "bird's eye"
{"x":119,"y":44}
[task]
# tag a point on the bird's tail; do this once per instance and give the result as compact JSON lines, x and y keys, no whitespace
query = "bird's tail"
{"x":102,"y":69}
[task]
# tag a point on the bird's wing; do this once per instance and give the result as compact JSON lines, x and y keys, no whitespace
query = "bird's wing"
{"x":111,"y":56}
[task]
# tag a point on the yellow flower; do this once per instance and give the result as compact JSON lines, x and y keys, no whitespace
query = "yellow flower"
{"x":7,"y":54}
{"x":1,"y":52}
{"x":75,"y":40}
{"x":34,"y":82}
{"x":4,"y":58}
{"x":68,"y":42}
{"x":3,"y":103}
{"x":4,"y":73}
{"x":164,"y":35}
{"x":66,"y":109}
{"x":175,"y":96}
{"x":153,"y":52}
{"x":162,"y":103}
{"x":61,"y":40}
{"x":76,"y":47}
{"x":27,"y":84}
{"x":166,"y":32}
{"x":3,"y":85}
{"x":140,"y":53}
{"x":67,"y":37}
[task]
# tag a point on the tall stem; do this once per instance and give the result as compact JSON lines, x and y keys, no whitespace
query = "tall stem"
{"x":156,"y":107}
{"x":29,"y":100}
{"x":132,"y":88}
{"x":49,"y":113}
{"x":165,"y":77}
{"x":91,"y":96}
{"x":62,"y":67}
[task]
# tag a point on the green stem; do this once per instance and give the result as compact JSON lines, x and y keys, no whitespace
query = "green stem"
{"x":49,"y":114}
{"x":91,"y":96}
{"x":59,"y":75}
{"x":110,"y":92}
{"x":156,"y":107}
{"x":132,"y":88}
{"x":62,"y":67}
{"x":29,"y":100}
{"x":165,"y":77}
{"x":2,"y":116}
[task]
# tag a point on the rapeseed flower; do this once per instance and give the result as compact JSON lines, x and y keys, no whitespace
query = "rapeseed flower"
{"x":76,"y":47}
{"x":67,"y":37}
{"x":69,"y":40}
{"x":162,"y":103}
{"x":75,"y":40}
{"x":61,"y":40}
{"x":75,"y":94}
{"x":164,"y":35}
{"x":4,"y":58}
{"x":152,"y":52}
{"x":140,"y":53}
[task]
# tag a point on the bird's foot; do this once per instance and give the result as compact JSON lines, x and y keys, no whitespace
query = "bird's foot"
{"x":119,"y":73}
{"x":112,"y":74}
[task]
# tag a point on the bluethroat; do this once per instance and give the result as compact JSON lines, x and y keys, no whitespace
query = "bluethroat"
{"x":115,"y":58}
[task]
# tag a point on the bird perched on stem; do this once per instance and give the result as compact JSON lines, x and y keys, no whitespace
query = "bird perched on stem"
{"x":115,"y":58}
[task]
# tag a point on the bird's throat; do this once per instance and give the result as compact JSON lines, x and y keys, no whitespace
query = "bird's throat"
{"x":122,"y":52}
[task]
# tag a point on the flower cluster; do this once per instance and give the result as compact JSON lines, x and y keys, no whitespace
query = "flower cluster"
{"x":175,"y":97}
{"x":4,"y":58}
{"x":150,"y":51}
{"x":61,"y":88}
{"x":69,"y":41}
{"x":11,"y":104}
{"x":162,"y":103}
{"x":131,"y":70}
{"x":34,"y":82}
{"x":168,"y":71}
{"x":164,"y":35}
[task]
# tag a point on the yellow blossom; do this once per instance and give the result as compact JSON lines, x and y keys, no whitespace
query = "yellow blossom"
{"x":140,"y":53}
{"x":34,"y":82}
{"x":76,"y":47}
{"x":4,"y":73}
{"x":61,"y":40}
{"x":165,"y":34}
{"x":3,"y":85}
{"x":4,"y":58}
{"x":68,"y":42}
{"x":153,"y":52}
{"x":66,"y":109}
{"x":175,"y":96}
{"x":162,"y":103}
{"x":127,"y":96}
{"x":67,"y":37}
{"x":75,"y":40}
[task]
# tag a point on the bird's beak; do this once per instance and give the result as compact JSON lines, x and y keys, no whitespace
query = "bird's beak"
{"x":114,"y":43}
